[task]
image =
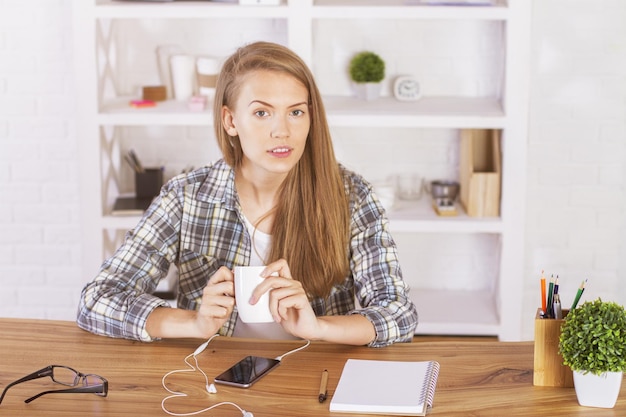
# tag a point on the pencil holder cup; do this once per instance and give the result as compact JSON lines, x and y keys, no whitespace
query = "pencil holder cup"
{"x":149,"y":182}
{"x":549,"y":370}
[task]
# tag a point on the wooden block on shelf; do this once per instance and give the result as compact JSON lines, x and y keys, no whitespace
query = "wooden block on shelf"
{"x":444,"y":210}
{"x":480,"y":172}
{"x":155,"y":93}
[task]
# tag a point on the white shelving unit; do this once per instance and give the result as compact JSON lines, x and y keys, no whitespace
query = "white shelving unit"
{"x":492,"y":310}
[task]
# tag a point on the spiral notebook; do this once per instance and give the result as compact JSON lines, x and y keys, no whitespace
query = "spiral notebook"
{"x":386,"y":387}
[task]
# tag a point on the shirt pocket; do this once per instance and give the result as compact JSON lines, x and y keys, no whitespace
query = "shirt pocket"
{"x":194,"y":271}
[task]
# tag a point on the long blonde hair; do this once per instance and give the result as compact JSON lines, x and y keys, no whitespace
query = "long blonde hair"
{"x":311,"y":229}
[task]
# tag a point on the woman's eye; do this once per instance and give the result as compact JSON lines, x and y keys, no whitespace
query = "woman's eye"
{"x":261,"y":113}
{"x":297,"y":112}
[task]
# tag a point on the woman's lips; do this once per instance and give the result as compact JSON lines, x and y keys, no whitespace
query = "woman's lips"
{"x":281,"y":151}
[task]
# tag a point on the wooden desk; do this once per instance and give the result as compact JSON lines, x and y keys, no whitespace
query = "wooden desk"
{"x":476,"y":379}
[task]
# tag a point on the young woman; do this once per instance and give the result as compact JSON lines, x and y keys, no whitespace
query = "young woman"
{"x":278,"y":198}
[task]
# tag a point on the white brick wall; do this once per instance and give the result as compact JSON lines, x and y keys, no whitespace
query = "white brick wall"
{"x":39,"y":207}
{"x":576,"y":208}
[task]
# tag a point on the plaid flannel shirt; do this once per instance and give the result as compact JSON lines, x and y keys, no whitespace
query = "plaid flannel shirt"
{"x":196,"y":223}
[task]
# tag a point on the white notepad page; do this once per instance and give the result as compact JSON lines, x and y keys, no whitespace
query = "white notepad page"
{"x":386,"y":387}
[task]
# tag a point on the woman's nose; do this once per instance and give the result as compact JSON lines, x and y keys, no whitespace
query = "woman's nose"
{"x":280,"y":128}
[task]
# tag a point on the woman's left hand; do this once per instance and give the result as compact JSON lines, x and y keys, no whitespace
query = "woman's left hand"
{"x":288,"y":301}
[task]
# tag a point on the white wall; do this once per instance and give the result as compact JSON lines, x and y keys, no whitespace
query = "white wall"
{"x":39,"y":202}
{"x":576,"y":208}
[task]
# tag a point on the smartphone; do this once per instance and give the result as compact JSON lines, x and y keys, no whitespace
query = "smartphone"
{"x":247,"y":371}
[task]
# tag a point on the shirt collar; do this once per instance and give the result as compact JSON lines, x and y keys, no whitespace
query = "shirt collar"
{"x":220,"y":186}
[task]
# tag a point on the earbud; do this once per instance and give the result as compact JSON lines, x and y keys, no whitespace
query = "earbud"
{"x":247,"y":414}
{"x":211,"y":389}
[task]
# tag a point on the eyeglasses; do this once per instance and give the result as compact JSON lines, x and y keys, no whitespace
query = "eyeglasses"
{"x":67,"y":376}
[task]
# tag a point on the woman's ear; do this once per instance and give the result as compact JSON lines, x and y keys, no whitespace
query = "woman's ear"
{"x":228,"y":121}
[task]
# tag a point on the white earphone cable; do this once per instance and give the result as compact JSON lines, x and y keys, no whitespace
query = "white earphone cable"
{"x":280,"y":358}
{"x":176,"y":394}
{"x":209,"y":387}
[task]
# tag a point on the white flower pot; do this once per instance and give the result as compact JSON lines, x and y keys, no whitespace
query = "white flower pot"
{"x":367,"y":91}
{"x":597,"y":390}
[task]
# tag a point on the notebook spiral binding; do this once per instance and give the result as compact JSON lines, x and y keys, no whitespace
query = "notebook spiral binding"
{"x":428,"y":391}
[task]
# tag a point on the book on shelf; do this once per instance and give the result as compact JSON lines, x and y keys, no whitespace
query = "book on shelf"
{"x":386,"y":387}
{"x":130,"y":206}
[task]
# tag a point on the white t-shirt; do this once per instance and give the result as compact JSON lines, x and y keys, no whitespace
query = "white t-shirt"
{"x":260,"y":245}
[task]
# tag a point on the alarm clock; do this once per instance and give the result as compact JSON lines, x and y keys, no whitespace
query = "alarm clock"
{"x":406,"y":88}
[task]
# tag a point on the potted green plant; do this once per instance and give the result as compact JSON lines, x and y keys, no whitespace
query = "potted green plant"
{"x":367,"y":70}
{"x":593,"y":344}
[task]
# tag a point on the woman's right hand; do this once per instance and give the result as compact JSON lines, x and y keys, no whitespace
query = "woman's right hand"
{"x":216,"y":305}
{"x":218,"y":301}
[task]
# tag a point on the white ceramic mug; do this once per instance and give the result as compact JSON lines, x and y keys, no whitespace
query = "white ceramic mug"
{"x":246,"y":280}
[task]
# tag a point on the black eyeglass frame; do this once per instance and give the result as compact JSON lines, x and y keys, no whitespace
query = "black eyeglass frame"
{"x":101,"y":389}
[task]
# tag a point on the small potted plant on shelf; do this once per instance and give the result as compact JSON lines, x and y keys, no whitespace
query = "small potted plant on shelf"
{"x":367,"y":70}
{"x":593,"y":344}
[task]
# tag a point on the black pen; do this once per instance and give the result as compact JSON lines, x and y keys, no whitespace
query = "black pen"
{"x":323,"y":386}
{"x":132,"y":163}
{"x":135,"y":159}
